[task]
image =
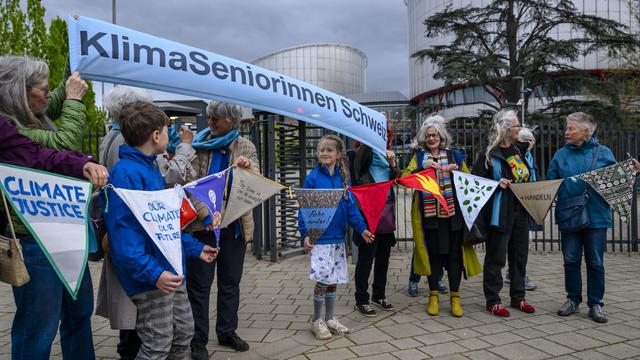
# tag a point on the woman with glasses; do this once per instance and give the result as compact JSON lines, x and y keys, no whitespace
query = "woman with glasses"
{"x":27,"y":103}
{"x":504,"y":160}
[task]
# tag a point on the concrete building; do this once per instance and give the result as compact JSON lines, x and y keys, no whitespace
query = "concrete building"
{"x":334,"y":67}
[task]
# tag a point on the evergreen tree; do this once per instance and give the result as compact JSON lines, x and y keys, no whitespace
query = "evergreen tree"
{"x":505,"y":39}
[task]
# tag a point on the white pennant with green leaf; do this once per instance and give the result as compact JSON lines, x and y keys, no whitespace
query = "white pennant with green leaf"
{"x":472,"y":193}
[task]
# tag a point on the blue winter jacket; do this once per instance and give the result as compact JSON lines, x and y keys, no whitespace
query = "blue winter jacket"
{"x":137,"y":260}
{"x":347,"y":211}
{"x":573,"y":160}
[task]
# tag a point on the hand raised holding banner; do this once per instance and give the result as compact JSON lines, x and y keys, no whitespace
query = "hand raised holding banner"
{"x":209,"y":254}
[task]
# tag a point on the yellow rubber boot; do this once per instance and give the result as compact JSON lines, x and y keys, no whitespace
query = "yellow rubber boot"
{"x":456,"y":305}
{"x":433,"y":306}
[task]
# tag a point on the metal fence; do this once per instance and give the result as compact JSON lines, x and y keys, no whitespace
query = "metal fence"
{"x":286,"y":149}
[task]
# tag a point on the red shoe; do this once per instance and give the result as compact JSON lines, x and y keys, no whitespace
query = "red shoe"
{"x":523,"y":306}
{"x":498,"y":310}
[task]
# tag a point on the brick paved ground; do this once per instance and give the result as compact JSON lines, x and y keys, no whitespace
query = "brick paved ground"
{"x":276,"y":309}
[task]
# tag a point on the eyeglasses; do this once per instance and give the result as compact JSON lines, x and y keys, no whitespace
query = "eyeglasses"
{"x":44,"y":90}
{"x":432,"y":136}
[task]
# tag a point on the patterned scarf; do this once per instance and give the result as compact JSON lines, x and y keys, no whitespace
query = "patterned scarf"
{"x":430,"y":206}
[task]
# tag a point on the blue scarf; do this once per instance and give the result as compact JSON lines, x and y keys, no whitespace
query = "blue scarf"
{"x":174,"y":139}
{"x":218,"y":142}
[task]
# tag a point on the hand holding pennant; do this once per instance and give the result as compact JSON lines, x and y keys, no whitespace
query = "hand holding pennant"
{"x":210,"y":190}
{"x":372,"y":198}
{"x":472,"y":193}
{"x":425,"y":180}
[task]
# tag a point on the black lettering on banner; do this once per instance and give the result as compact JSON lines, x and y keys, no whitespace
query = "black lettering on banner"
{"x":320,"y":100}
{"x":357,"y":118}
{"x":331,"y":104}
{"x":291,"y":87}
{"x":137,"y":48}
{"x":306,"y":91}
{"x":180,"y":59}
{"x":220,"y":70}
{"x":250,"y":75}
{"x":233,"y":70}
{"x":114,"y":46}
{"x":200,"y":59}
{"x":125,"y":48}
{"x":267,"y":84}
{"x":85,"y":43}
{"x":346,"y":110}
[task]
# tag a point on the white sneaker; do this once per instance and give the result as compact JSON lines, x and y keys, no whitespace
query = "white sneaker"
{"x":336,"y":328}
{"x":320,"y":330}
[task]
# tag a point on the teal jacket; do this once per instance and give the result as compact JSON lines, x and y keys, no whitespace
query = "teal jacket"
{"x":572,"y":160}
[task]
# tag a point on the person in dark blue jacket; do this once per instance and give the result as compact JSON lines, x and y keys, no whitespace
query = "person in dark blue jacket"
{"x":165,"y":321}
{"x":580,"y":154}
{"x":328,"y":253}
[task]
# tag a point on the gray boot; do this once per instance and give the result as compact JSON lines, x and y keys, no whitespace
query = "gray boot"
{"x":568,"y":308}
{"x":597,"y":314}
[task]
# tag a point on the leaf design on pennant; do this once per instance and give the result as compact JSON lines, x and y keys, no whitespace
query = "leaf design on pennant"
{"x":489,"y":188}
{"x":466,"y":202}
{"x":469,"y":209}
{"x":477,"y":198}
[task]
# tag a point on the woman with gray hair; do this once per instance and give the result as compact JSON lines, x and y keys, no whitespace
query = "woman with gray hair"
{"x":27,"y":103}
{"x":218,"y":147}
{"x":437,"y":231}
{"x":580,"y":154}
{"x":504,"y":160}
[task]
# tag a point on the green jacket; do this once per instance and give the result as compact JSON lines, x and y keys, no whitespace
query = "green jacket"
{"x":72,"y":115}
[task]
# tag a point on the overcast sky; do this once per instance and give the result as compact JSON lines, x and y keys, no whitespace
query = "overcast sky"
{"x":249,"y":29}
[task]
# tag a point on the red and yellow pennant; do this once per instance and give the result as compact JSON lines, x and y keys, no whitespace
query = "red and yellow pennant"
{"x":425,"y":180}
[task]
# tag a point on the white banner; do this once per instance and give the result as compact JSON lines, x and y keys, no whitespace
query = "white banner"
{"x":472,"y":193}
{"x":54,"y":209}
{"x":159,"y":214}
{"x":106,"y":52}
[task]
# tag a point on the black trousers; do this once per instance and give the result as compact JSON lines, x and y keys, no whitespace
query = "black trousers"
{"x":200,"y":275}
{"x":129,"y":344}
{"x":379,"y":250}
{"x":513,"y":244}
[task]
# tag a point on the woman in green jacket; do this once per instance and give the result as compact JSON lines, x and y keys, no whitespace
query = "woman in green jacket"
{"x":27,"y":102}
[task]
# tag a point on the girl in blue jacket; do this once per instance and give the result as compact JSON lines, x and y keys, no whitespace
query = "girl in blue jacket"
{"x":328,"y":253}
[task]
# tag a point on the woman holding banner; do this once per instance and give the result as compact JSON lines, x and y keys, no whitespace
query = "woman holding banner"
{"x":218,"y":147}
{"x":26,"y":101}
{"x":437,"y":233}
{"x":580,"y":154}
{"x":504,"y":160}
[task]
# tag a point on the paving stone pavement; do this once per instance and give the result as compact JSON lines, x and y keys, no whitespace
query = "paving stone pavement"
{"x":276,"y":307}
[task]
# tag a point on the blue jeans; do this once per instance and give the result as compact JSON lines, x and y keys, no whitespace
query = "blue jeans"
{"x":44,"y":303}
{"x":594,"y":242}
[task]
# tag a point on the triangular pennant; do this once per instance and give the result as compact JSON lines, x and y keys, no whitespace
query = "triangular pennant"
{"x":188,"y":213}
{"x":615,"y":184}
{"x":248,"y":190}
{"x":372,"y":198}
{"x":317,"y":207}
{"x":210,"y":190}
{"x":159,"y":214}
{"x":472,"y":193}
{"x":537,"y":197}
{"x":54,"y":209}
{"x":425,"y":180}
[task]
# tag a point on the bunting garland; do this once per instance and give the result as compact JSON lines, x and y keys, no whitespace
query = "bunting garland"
{"x":615,"y":184}
{"x":372,"y":198}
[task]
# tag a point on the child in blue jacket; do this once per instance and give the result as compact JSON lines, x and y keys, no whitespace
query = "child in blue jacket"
{"x":328,"y":254}
{"x":165,"y":321}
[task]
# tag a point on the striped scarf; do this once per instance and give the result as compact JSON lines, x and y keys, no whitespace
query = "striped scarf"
{"x":430,"y":206}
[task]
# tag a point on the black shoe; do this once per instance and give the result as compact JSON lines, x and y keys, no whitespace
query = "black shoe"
{"x":568,"y":308}
{"x":199,"y":352}
{"x":597,"y":314}
{"x":366,"y":310}
{"x":233,"y":341}
{"x":383,"y":304}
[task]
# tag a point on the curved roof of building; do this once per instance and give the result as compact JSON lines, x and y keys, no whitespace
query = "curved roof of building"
{"x":364,"y":56}
{"x":379,"y":97}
